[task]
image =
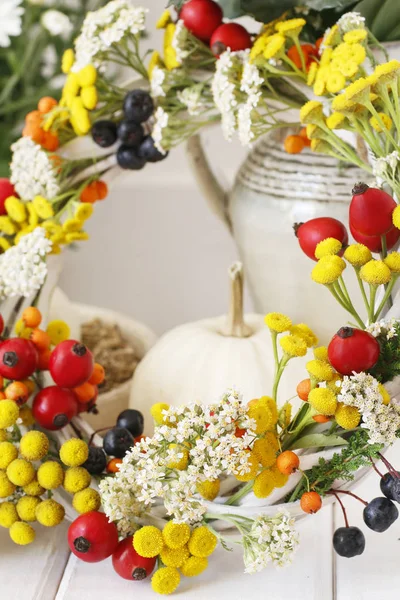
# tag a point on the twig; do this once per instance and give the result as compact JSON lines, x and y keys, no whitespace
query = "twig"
{"x":342,"y":507}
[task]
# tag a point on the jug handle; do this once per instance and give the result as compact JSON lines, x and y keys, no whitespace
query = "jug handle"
{"x":216,"y":196}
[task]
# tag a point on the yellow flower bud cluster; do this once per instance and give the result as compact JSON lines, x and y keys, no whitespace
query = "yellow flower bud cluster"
{"x":79,"y":94}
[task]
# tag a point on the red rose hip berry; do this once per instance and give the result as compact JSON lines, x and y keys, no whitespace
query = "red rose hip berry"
{"x":129,"y":564}
{"x":229,"y":35}
{"x":353,"y":351}
{"x":371,"y":210}
{"x":92,"y":538}
{"x":312,"y":232}
{"x":6,"y":190}
{"x":201,"y":18}
{"x":71,"y":364}
{"x":18,"y":358}
{"x":374,"y":242}
{"x":54,"y":407}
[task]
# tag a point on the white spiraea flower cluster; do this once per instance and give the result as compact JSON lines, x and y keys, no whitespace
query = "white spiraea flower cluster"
{"x":270,"y":539}
{"x":386,"y":167}
{"x":251,"y":85}
{"x":23,"y":267}
{"x":382,"y":421}
{"x":383,"y":327}
{"x":192,"y":98}
{"x":32,"y":171}
{"x":160,"y":123}
{"x":350,"y":21}
{"x":179,"y":41}
{"x":105,"y":27}
{"x":156,"y":82}
{"x":226,"y":88}
{"x":202,"y":436}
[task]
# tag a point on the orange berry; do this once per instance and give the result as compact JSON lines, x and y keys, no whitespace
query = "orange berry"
{"x":33,"y":117}
{"x":50,"y":141}
{"x":294,"y":144}
{"x":310,"y":502}
{"x":98,"y":375}
{"x":40,"y":338}
{"x":319,"y":42}
{"x":18,"y":392}
{"x":304,"y":136}
{"x":113,"y":465}
{"x":288,"y":462}
{"x":295,"y":57}
{"x":32,"y":317}
{"x":44,"y":358}
{"x":102,"y":189}
{"x":30,"y":385}
{"x":46,"y":103}
{"x":85,"y":392}
{"x":3,"y":396}
{"x":239,"y":433}
{"x":89,"y":193}
{"x":34,"y":131}
{"x":1,"y":382}
{"x":303,"y":389}
{"x":321,"y":418}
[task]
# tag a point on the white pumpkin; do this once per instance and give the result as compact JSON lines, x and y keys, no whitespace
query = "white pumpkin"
{"x":197,"y":362}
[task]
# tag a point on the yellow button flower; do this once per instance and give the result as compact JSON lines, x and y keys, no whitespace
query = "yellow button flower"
{"x":320,"y":370}
{"x":157,"y":412}
{"x":89,"y":97}
{"x":181,"y":460}
{"x":8,"y":514}
{"x":262,"y":415}
{"x":278,"y":322}
{"x":292,"y":345}
{"x":393,"y":262}
{"x":9,"y":413}
{"x":58,"y":331}
{"x":252,"y":469}
{"x":355,"y":36}
{"x":155,"y":61}
{"x":34,"y":445}
{"x":291,"y":27}
{"x":264,"y":484}
{"x":8,"y":453}
{"x":22,"y":533}
{"x":76,"y":479}
{"x":176,"y":535}
{"x":347,"y":417}
{"x":4,"y":244}
{"x":87,"y":76}
{"x":202,"y":542}
{"x":264,"y":452}
{"x":86,"y":501}
{"x":174,"y":558}
{"x":194,"y":566}
{"x":335,"y":82}
{"x":68,"y":59}
{"x":50,"y":513}
{"x":384,"y":122}
{"x":164,"y":20}
{"x":357,"y":255}
{"x":33,"y":217}
{"x":323,"y":400}
{"x":312,"y":112}
{"x":331,"y":36}
{"x":20,"y":472}
{"x":208,"y":490}
{"x":34,"y":488}
{"x":26,"y":507}
{"x":50,"y":475}
{"x":43,"y":207}
{"x":375,"y":272}
{"x":165,"y":580}
{"x":321,"y":353}
{"x":312,"y":73}
{"x":305,"y":332}
{"x":15,"y":209}
{"x":328,"y":269}
{"x":274,"y":46}
{"x":72,"y":224}
{"x":148,"y":541}
{"x":74,"y":452}
{"x":25,"y":414}
{"x":6,"y":487}
{"x":7,"y":226}
{"x":385,"y":394}
{"x":335,"y":120}
{"x":76,"y":236}
{"x":84,"y":211}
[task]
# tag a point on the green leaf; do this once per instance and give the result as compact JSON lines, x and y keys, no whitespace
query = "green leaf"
{"x":318,"y":440}
{"x":231,"y":8}
{"x":324,"y":4}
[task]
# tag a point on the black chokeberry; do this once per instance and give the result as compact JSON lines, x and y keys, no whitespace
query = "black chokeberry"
{"x":130,"y":133}
{"x":380,"y":514}
{"x":349,"y":541}
{"x":149,"y":152}
{"x":127,"y":158}
{"x":117,"y":442}
{"x":96,"y":461}
{"x":390,"y":487}
{"x":138,"y":106}
{"x":132,"y":420}
{"x":104,"y":133}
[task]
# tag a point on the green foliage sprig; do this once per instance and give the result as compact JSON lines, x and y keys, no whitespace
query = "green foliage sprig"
{"x":388,"y":365}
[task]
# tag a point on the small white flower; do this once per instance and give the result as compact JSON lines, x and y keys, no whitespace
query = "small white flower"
{"x":10,"y":20}
{"x":350,"y":21}
{"x":57,"y":23}
{"x":31,"y":171}
{"x":49,"y":62}
{"x":161,"y":122}
{"x":179,"y":41}
{"x":191,"y":97}
{"x":157,"y":79}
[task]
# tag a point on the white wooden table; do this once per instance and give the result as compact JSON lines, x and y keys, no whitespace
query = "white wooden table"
{"x":47,"y":571}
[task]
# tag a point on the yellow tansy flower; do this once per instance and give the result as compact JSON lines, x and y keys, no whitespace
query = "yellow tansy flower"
{"x":194,"y":566}
{"x":393,"y":262}
{"x":87,"y":76}
{"x":328,"y":247}
{"x":15,"y":209}
{"x":348,"y":68}
{"x":385,"y":394}
{"x":312,"y":112}
{"x":58,"y":331}
{"x":84,"y":211}
{"x":155,"y":61}
{"x":202,"y":542}
{"x":258,"y":47}
{"x":22,"y":533}
{"x":395,"y":217}
{"x":321,"y":354}
{"x":4,"y":244}
{"x":68,"y":59}
{"x":170,"y":59}
{"x":89,"y":97}
{"x":148,"y":541}
{"x":328,"y":269}
{"x":176,"y":535}
{"x":181,"y":459}
{"x":312,"y":73}
{"x":165,"y":580}
{"x":385,"y":73}
{"x":305,"y":333}
{"x":335,"y":120}
{"x":164,"y":20}
{"x":292,"y":345}
{"x":384,"y":122}
{"x":72,"y":224}
{"x":43,"y":207}
{"x":291,"y":28}
{"x":323,"y":400}
{"x":335,"y":82}
{"x":278,"y":322}
{"x":274,"y":45}
{"x":251,"y":472}
{"x":50,"y":513}
{"x":264,"y":484}
{"x":262,"y":416}
{"x":265,"y":452}
{"x":375,"y":272}
{"x":320,"y":370}
{"x":209,"y":489}
{"x":355,"y":36}
{"x":325,"y":57}
{"x":76,"y":236}
{"x":347,"y":417}
{"x":54,"y":231}
{"x":356,"y":93}
{"x":33,"y":217}
{"x":331,"y":36}
{"x":357,"y":255}
{"x":174,"y":557}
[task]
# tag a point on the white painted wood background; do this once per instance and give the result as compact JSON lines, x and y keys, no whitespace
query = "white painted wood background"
{"x":47,"y":571}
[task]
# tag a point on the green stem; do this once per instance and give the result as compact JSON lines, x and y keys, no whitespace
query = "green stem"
{"x":384,"y":247}
{"x":246,"y":489}
{"x":278,"y":375}
{"x":385,"y":298}
{"x":362,"y":288}
{"x":372,"y":295}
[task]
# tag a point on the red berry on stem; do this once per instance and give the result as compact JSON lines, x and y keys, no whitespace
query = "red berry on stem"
{"x":312,"y":232}
{"x":71,"y":364}
{"x":374,"y":242}
{"x":6,"y":190}
{"x":92,"y":538}
{"x":129,"y":564}
{"x":201,"y":17}
{"x":229,"y":35}
{"x":371,"y":210}
{"x":18,"y":358}
{"x":54,"y":407}
{"x":353,"y":350}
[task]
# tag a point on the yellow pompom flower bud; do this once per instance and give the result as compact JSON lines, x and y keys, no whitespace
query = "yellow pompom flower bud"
{"x":335,"y":120}
{"x":347,"y":417}
{"x":15,"y":209}
{"x":8,"y":514}
{"x":20,"y":472}
{"x":194,"y":566}
{"x":3,"y":435}
{"x":252,"y":470}
{"x":164,"y":20}
{"x":34,"y":488}
{"x":335,"y":82}
{"x":50,"y":475}
{"x":8,"y":453}
{"x":357,"y":255}
{"x":385,"y":394}
{"x":76,"y":479}
{"x":262,"y":415}
{"x":270,"y":404}
{"x":58,"y":331}
{"x":165,"y":580}
{"x":355,"y":36}
{"x":7,"y":226}
{"x":157,"y":413}
{"x":312,"y":72}
{"x":328,"y":270}
{"x":148,"y":541}
{"x":6,"y":487}
{"x":396,"y":217}
{"x":393,"y":262}
{"x":87,"y":76}
{"x":9,"y":413}
{"x":328,"y":247}
{"x":264,"y":484}
{"x":68,"y":59}
{"x":381,"y":124}
{"x":292,"y":345}
{"x":174,"y":558}
{"x":181,"y":459}
{"x":26,"y":416}
{"x":278,"y":322}
{"x":323,"y":400}
{"x":43,"y":207}
{"x":375,"y":272}
{"x":155,"y":61}
{"x":265,"y":452}
{"x":34,"y":445}
{"x":89,"y":97}
{"x":279,"y":478}
{"x":74,"y":452}
{"x":50,"y":513}
{"x":86,"y":500}
{"x":320,"y":370}
{"x":321,"y":354}
{"x":26,"y":507}
{"x":209,"y":489}
{"x":176,"y":535}
{"x":202,"y":542}
{"x":72,"y":224}
{"x":304,"y":332}
{"x":22,"y":533}
{"x":312,"y":112}
{"x":84,"y":211}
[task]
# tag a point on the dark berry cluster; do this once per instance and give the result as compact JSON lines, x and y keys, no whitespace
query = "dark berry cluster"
{"x":136,"y":148}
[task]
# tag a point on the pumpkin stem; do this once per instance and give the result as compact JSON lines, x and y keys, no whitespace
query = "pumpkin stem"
{"x":235,"y":325}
